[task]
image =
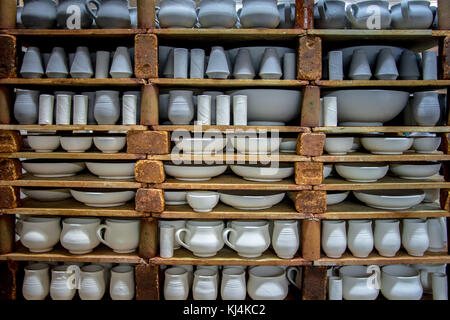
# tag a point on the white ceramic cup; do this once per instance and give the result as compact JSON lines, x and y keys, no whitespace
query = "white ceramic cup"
{"x":121,"y":235}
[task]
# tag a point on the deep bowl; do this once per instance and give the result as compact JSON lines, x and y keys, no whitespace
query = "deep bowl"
{"x":263,"y":173}
{"x":362,"y":172}
{"x":110,"y":144}
{"x":52,"y":169}
{"x":335,"y":197}
{"x":390,"y":199}
{"x":76,"y":144}
{"x":103,"y":198}
{"x":44,"y":143}
{"x":415,"y":170}
{"x":338,"y":145}
{"x":426,"y":144}
{"x":201,"y":145}
{"x":112,"y":170}
{"x":251,"y":200}
{"x":194,"y":172}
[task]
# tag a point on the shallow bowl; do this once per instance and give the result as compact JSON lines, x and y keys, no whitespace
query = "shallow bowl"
{"x":50,"y":195}
{"x":76,"y":144}
{"x":335,"y":197}
{"x":288,"y":145}
{"x":390,"y":199}
{"x":362,"y":172}
{"x":52,"y":169}
{"x":251,"y":200}
{"x":338,"y":145}
{"x":103,"y":198}
{"x":44,"y":143}
{"x":426,"y":144}
{"x":415,"y":170}
{"x":263,"y":173}
{"x":253,"y":145}
{"x":194,"y":172}
{"x":175,"y":198}
{"x":387,"y":145}
{"x":112,"y":170}
{"x":201,"y":145}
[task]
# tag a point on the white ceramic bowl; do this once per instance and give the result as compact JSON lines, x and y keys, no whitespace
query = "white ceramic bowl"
{"x":362,"y":172}
{"x":49,"y":195}
{"x":76,"y":144}
{"x":251,"y":200}
{"x":390,"y":199}
{"x":426,"y":144}
{"x":52,"y":169}
{"x":103,"y":198}
{"x":110,"y":144}
{"x":175,"y":198}
{"x":327,"y":168}
{"x":253,"y":145}
{"x":338,"y":145}
{"x":201,"y":145}
{"x":288,"y":145}
{"x":415,"y":170}
{"x":112,"y":170}
{"x":44,"y":143}
{"x":194,"y":172}
{"x":356,"y":144}
{"x":263,"y":173}
{"x":335,"y":197}
{"x":202,"y":201}
{"x":370,"y":106}
{"x":387,"y":145}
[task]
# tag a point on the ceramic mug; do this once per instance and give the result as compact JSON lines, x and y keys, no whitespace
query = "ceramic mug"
{"x":122,"y":285}
{"x":267,"y":283}
{"x":39,"y":234}
{"x":205,"y":284}
{"x":203,"y":237}
{"x":36,"y":282}
{"x":400,"y":282}
{"x":233,"y":285}
{"x":249,"y":238}
{"x":121,"y":235}
{"x":92,"y":282}
{"x":176,"y":285}
{"x":60,"y":286}
{"x":285,"y":238}
{"x":79,"y":235}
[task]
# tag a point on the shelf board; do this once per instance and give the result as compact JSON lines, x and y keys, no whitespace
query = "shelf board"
{"x":230,"y":158}
{"x":230,"y":182}
{"x":59,"y":254}
{"x":192,"y":128}
{"x":382,"y":83}
{"x":74,"y":33}
{"x":402,"y":257}
{"x":399,"y":129}
{"x":228,"y":257}
{"x":353,"y":210}
{"x":227,"y":83}
{"x":70,"y":155}
{"x":72,"y":127}
{"x":388,"y":182}
{"x":82,"y":180}
{"x":73,"y":82}
{"x":283,"y":210}
{"x":368,"y":157}
{"x":71,"y":207}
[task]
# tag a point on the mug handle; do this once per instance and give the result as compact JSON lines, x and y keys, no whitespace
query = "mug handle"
{"x":291,"y":278}
{"x":405,"y":9}
{"x":99,"y":234}
{"x":225,"y":237}
{"x":178,"y":237}
{"x":352,"y":11}
{"x":89,"y":9}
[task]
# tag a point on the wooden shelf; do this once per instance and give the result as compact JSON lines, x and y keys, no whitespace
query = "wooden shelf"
{"x":228,"y":257}
{"x":59,"y":254}
{"x":382,"y":83}
{"x":402,"y":257}
{"x":441,"y":129}
{"x":193,"y":128}
{"x":230,"y":182}
{"x":70,"y":155}
{"x":71,"y":207}
{"x":74,"y":82}
{"x":282,"y":211}
{"x":82,"y":180}
{"x":230,"y":158}
{"x":74,"y":33}
{"x":72,"y":127}
{"x":354,"y":210}
{"x":227,"y":83}
{"x":368,"y":157}
{"x":388,"y":182}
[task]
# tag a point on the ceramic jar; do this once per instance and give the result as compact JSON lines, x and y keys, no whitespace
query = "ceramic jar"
{"x":436,"y":234}
{"x":121,"y":235}
{"x":426,"y":274}
{"x":39,"y":14}
{"x":36,"y":282}
{"x":355,"y":281}
{"x":177,"y":14}
{"x":249,"y":238}
{"x":334,"y":238}
{"x":59,"y":285}
{"x":203,"y":237}
{"x":79,"y":235}
{"x":267,"y":283}
{"x":39,"y":234}
{"x":360,"y":237}
{"x":176,"y":285}
{"x":217,"y":14}
{"x":233,"y":285}
{"x":66,"y":9}
{"x":387,"y":237}
{"x":425,"y":108}
{"x":177,"y":224}
{"x":122,"y":285}
{"x":26,"y":106}
{"x":285,"y":238}
{"x":107,"y":107}
{"x":330,"y":14}
{"x":205,"y":285}
{"x":259,"y":14}
{"x":92,"y":282}
{"x":412,"y":14}
{"x":111,"y":14}
{"x":362,"y":15}
{"x":415,"y":236}
{"x":181,"y":107}
{"x":400,"y":282}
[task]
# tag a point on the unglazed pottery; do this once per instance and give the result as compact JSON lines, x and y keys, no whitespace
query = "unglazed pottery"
{"x":359,"y":67}
{"x":400,"y":282}
{"x":205,"y":285}
{"x":103,"y":198}
{"x":267,"y":283}
{"x":79,"y":235}
{"x":81,"y":66}
{"x":361,"y":14}
{"x":181,"y":107}
{"x":387,"y":237}
{"x":217,"y":14}
{"x":233,"y":285}
{"x":390,"y":199}
{"x":177,"y":14}
{"x":408,"y":66}
{"x":203,"y":238}
{"x":121,"y":66}
{"x":386,"y":67}
{"x":202,"y":201}
{"x":52,"y":169}
{"x":270,"y":68}
{"x":411,"y":14}
{"x":329,"y":14}
{"x":387,"y":145}
{"x":36,"y":282}
{"x":355,"y":283}
{"x":255,"y":145}
{"x":334,"y":238}
{"x":111,"y":14}
{"x":360,"y":237}
{"x":65,"y":10}
{"x":112,"y":170}
{"x":76,"y":144}
{"x":336,"y":197}
{"x":285,"y":238}
{"x":121,"y":235}
{"x":259,"y":14}
{"x":415,"y":236}
{"x":44,"y":143}
{"x":39,"y":14}
{"x":415,"y":170}
{"x":122,"y":285}
{"x":110,"y":144}
{"x":92,"y":282}
{"x":59,"y":285}
{"x":362,"y":172}
{"x":194,"y":172}
{"x":39,"y":234}
{"x":249,"y":238}
{"x":44,"y":194}
{"x":426,"y":144}
{"x":176,"y":285}
{"x":26,"y":106}
{"x":263,"y":173}
{"x":32,"y":65}
{"x":218,"y":64}
{"x":425,"y":108}
{"x":107,"y":107}
{"x":251,"y":200}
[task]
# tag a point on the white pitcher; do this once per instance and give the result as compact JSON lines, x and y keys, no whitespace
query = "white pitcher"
{"x":203,"y":237}
{"x":121,"y":235}
{"x":355,"y":281}
{"x":249,"y":238}
{"x":387,"y":237}
{"x":205,"y":284}
{"x":233,"y":285}
{"x":122,"y":285}
{"x":176,"y":286}
{"x":285,"y":238}
{"x":36,"y":282}
{"x":415,"y":236}
{"x":267,"y":283}
{"x":61,"y":287}
{"x":334,"y":238}
{"x":92,"y":282}
{"x":39,"y":234}
{"x":79,"y":235}
{"x":400,"y":282}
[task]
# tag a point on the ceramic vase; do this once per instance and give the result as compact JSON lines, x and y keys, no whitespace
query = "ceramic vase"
{"x":166,"y":236}
{"x":203,"y":238}
{"x":400,"y":282}
{"x":39,"y":14}
{"x":259,"y":14}
{"x":223,"y":110}
{"x":57,"y":66}
{"x":177,"y":224}
{"x":415,"y":236}
{"x":289,"y":66}
{"x":285,"y":238}
{"x":107,"y":107}
{"x":72,"y":14}
{"x":425,"y":108}
{"x":63,"y":108}
{"x":79,"y":235}
{"x":46,"y":109}
{"x":329,"y":14}
{"x":181,"y":107}
{"x":92,"y":283}
{"x":233,"y":286}
{"x":39,"y":234}
{"x":429,"y":65}
{"x":436,"y":235}
{"x":26,"y":106}
{"x":386,"y":68}
{"x":205,"y":285}
{"x":133,"y":11}
{"x":81,"y":66}
{"x":270,"y":68}
{"x":363,"y":16}
{"x":334,"y":238}
{"x":121,"y":66}
{"x":218,"y":67}
{"x":180,"y":63}
{"x":335,"y":65}
{"x":411,"y":14}
{"x":267,"y":283}
{"x":334,"y":288}
{"x":243,"y":65}
{"x":240,"y":105}
{"x":287,"y":15}
{"x":32,"y":65}
{"x":387,"y":237}
{"x":59,"y":285}
{"x":168,"y":71}
{"x":360,"y":237}
{"x":102,"y":64}
{"x":36,"y":282}
{"x":122,"y":285}
{"x":249,"y":238}
{"x":359,"y":66}
{"x":91,"y":107}
{"x":197,"y":64}
{"x":204,"y":110}
{"x":80,"y":109}
{"x":111,"y":14}
{"x":176,"y":286}
{"x":138,"y":95}
{"x":177,"y":14}
{"x":408,"y":66}
{"x":217,"y":14}
{"x":213,"y":95}
{"x":440,"y":286}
